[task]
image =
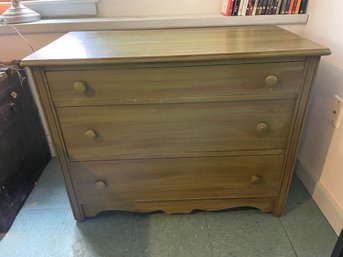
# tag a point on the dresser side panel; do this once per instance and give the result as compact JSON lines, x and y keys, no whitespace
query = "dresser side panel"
{"x":309,"y":77}
{"x":54,"y":129}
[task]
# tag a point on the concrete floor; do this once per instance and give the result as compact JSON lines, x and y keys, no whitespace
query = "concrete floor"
{"x":45,"y":228}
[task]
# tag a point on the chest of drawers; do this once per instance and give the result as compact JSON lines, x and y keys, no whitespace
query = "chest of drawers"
{"x":176,"y":120}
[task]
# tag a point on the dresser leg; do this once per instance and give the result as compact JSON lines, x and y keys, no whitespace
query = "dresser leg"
{"x":78,"y":214}
{"x":277,"y":213}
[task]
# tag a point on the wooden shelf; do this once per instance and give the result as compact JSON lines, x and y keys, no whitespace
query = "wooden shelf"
{"x":266,"y":20}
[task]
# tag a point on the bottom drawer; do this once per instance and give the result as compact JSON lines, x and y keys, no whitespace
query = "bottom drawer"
{"x":126,"y":182}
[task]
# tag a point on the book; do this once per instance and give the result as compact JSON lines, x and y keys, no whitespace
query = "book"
{"x":283,"y":7}
{"x":297,"y":8}
{"x":268,"y":7}
{"x":236,"y":7}
{"x":243,"y":7}
{"x":255,"y":7}
{"x":250,"y":7}
{"x":227,"y":6}
{"x":287,"y":6}
{"x":290,"y":7}
{"x":294,"y":6}
{"x":264,"y":10}
{"x":240,"y":7}
{"x":278,"y":7}
{"x":260,"y":7}
{"x":273,"y":7}
{"x":303,"y":6}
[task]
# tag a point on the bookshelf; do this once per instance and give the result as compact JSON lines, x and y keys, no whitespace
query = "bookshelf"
{"x":263,"y":7}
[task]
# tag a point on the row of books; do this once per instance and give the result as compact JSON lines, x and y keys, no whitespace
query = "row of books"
{"x":263,"y":7}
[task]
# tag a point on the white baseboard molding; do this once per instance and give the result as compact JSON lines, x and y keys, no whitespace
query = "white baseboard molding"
{"x":52,"y":150}
{"x":332,"y":212}
{"x":40,"y":110}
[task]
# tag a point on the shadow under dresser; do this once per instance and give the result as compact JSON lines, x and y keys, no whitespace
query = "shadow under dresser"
{"x":176,"y":119}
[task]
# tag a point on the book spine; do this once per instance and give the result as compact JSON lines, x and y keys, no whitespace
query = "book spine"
{"x":264,"y":10}
{"x":294,"y":6}
{"x":260,"y":7}
{"x":283,"y":7}
{"x":255,"y":7}
{"x":240,"y":7}
{"x":246,"y":11}
{"x":245,"y":7}
{"x":251,"y":7}
{"x":268,"y":6}
{"x":232,"y":6}
{"x":303,"y":6}
{"x":273,"y":7}
{"x":297,"y":9}
{"x":227,"y":7}
{"x":236,"y":7}
{"x":278,"y":7}
{"x":287,"y":6}
{"x":290,"y":6}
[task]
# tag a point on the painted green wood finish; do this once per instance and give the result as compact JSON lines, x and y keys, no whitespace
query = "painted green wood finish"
{"x":129,"y":92}
{"x":105,"y":47}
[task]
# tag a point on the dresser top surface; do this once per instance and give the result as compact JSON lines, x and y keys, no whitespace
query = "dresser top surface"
{"x":106,"y":47}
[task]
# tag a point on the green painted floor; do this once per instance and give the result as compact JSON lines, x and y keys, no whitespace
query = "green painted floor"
{"x":45,"y":228}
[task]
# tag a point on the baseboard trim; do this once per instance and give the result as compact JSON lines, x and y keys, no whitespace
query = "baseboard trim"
{"x":330,"y":209}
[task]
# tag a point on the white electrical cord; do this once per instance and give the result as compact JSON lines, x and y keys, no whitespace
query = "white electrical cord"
{"x":19,"y":34}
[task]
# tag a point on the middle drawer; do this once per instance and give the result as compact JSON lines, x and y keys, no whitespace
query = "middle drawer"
{"x":114,"y":132}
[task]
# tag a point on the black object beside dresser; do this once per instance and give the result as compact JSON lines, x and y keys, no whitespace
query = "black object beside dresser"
{"x":24,"y":150}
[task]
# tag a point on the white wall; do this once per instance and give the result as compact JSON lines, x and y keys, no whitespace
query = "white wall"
{"x":320,"y":157}
{"x":118,"y":8}
{"x":12,"y":47}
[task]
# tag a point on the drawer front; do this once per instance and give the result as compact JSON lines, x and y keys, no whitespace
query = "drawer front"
{"x":166,"y":84}
{"x":112,"y":132}
{"x":176,"y":179}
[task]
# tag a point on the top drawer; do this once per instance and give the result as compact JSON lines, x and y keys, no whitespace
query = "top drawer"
{"x":175,"y":84}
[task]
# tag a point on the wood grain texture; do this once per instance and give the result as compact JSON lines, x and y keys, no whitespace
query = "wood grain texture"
{"x":309,"y":76}
{"x":106,"y":47}
{"x":55,"y":132}
{"x":158,"y":130}
{"x":165,"y":84}
{"x":179,"y":119}
{"x":265,"y":204}
{"x":176,"y":179}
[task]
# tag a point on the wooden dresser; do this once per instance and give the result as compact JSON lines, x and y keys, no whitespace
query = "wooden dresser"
{"x":176,"y":120}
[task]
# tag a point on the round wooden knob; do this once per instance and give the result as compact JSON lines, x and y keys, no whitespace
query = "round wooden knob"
{"x":90,"y":133}
{"x":271,"y":80}
{"x":255,"y":180}
{"x":80,"y":87}
{"x":100,"y":185}
{"x":262,"y":127}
